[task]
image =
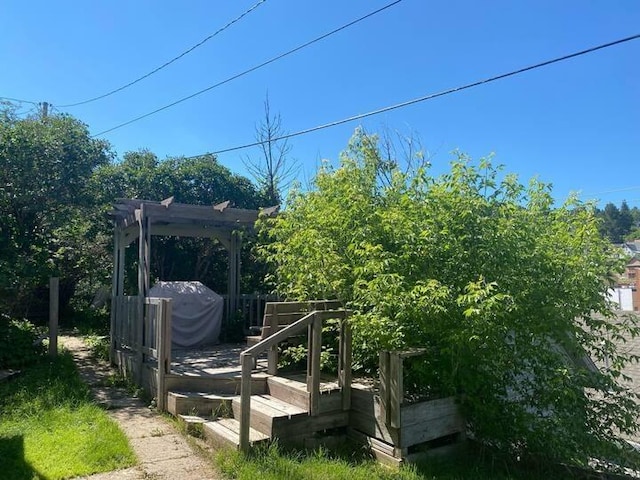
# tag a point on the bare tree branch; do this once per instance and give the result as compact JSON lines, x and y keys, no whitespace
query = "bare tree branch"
{"x":274,"y":170}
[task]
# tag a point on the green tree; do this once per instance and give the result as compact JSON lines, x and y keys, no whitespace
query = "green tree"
{"x":501,"y":287}
{"x":45,"y":204}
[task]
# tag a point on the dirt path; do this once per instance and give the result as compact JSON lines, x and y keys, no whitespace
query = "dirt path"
{"x":162,"y":451}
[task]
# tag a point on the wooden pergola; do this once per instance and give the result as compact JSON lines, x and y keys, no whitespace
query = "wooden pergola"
{"x":143,"y":219}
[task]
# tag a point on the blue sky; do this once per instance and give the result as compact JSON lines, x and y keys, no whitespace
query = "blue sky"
{"x":575,"y":124}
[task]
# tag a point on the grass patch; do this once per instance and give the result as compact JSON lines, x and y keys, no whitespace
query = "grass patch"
{"x":99,"y":346}
{"x":51,"y":428}
{"x":273,"y":463}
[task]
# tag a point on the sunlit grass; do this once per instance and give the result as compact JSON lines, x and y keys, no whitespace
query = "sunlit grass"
{"x":274,"y":463}
{"x":50,"y":427}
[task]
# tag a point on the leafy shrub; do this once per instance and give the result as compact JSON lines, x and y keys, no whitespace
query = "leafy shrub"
{"x":506,"y":290}
{"x":19,"y":343}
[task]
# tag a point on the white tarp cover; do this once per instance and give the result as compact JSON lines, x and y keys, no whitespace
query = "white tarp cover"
{"x":197,"y":312}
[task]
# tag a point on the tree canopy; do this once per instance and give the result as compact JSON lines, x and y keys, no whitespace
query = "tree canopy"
{"x":45,"y":166}
{"x":507,"y":292}
{"x":619,"y":224}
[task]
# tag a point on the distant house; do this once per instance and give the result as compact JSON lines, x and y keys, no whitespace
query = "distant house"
{"x":626,"y":292}
{"x":631,"y":248}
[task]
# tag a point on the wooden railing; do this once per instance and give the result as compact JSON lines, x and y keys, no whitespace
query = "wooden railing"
{"x":392,"y":383}
{"x":251,"y":306}
{"x":313,"y":322}
{"x":126,"y":331}
{"x":142,"y":328}
{"x":157,"y":342}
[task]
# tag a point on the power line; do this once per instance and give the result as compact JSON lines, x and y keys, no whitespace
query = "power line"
{"x":426,"y":97}
{"x":618,"y":190}
{"x":19,"y":100}
{"x":252,"y":69}
{"x":166,"y":64}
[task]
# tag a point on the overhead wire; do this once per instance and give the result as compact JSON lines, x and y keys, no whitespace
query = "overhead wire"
{"x":252,"y":69}
{"x":166,"y":64}
{"x":425,"y":97}
{"x":618,"y":190}
{"x":17,"y":100}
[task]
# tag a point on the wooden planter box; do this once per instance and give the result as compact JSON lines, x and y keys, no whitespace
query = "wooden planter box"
{"x":395,"y":430}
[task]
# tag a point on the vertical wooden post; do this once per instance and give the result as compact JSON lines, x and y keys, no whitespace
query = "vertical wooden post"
{"x":114,"y":292}
{"x":272,"y":354}
{"x":54,"y":302}
{"x":384,"y":385}
{"x":246,"y":362}
{"x":233,"y":284}
{"x":163,"y":345}
{"x":314,"y":354}
{"x":344,"y":360}
{"x":143,"y":287}
{"x":396,"y":390}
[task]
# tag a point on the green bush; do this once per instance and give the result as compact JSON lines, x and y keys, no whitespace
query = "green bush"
{"x":19,"y":343}
{"x":506,"y":290}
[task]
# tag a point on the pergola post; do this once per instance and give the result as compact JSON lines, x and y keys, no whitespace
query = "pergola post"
{"x":116,"y":282}
{"x":144,"y":257}
{"x":233,"y":284}
{"x":144,"y":253}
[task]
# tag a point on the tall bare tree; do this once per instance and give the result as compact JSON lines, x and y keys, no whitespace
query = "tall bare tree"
{"x":273,"y":170}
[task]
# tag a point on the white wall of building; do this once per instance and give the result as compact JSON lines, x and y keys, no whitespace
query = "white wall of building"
{"x":623,"y":297}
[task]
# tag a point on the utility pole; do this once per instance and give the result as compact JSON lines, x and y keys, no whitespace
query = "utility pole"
{"x":45,"y":109}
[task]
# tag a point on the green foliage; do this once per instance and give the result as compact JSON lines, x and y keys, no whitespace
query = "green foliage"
{"x":505,"y":290}
{"x":619,"y":224}
{"x":45,"y":204}
{"x":19,"y":343}
{"x":50,"y":427}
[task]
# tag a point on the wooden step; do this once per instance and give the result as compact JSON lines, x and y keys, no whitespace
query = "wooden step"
{"x":290,"y":391}
{"x":270,"y":415}
{"x":192,"y":424}
{"x":295,"y":392}
{"x":227,"y":381}
{"x":199,"y":403}
{"x":224,"y":432}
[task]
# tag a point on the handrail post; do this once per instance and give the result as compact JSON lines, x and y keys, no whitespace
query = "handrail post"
{"x":315,"y":347}
{"x":272,"y":354}
{"x":344,"y":363}
{"x":246,"y":362}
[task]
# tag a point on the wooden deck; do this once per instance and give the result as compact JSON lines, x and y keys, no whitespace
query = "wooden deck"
{"x":235,"y":394}
{"x":218,"y":359}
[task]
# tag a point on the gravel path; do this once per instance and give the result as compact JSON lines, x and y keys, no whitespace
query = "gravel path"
{"x":162,"y":451}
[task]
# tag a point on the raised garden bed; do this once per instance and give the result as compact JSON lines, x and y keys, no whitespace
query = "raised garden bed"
{"x":395,"y":429}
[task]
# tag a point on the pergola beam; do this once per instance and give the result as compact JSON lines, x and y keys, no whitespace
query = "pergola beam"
{"x":142,"y":219}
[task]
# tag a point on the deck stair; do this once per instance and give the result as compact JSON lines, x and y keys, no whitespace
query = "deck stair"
{"x":199,"y":403}
{"x":278,"y":410}
{"x":258,"y":405}
{"x":282,"y":413}
{"x":278,"y":315}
